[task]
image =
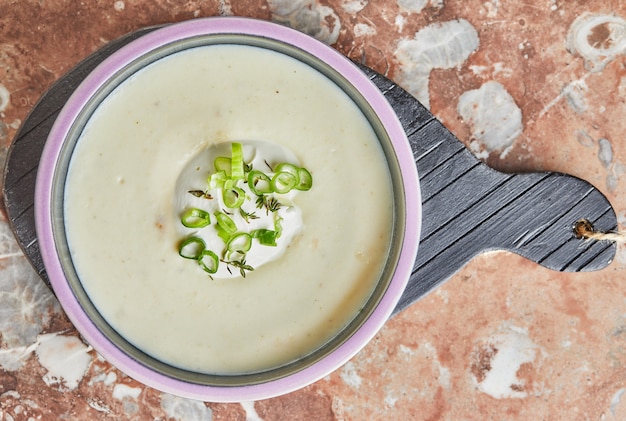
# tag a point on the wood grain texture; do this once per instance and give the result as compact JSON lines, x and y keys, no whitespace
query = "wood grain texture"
{"x":468,"y":208}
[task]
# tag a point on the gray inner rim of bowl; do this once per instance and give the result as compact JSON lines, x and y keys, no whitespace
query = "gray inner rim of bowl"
{"x":239,"y":379}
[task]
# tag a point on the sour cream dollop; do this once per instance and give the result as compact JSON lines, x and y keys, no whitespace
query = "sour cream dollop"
{"x":250,"y":217}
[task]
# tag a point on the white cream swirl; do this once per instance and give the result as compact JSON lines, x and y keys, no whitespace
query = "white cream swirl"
{"x":261,"y":155}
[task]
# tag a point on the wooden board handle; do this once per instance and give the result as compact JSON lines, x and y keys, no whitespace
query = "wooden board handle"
{"x":469,"y":208}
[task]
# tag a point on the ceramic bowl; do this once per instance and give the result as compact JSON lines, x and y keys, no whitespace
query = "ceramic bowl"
{"x":49,"y":197}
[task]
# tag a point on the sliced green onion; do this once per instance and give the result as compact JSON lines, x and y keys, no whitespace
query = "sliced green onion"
{"x":209,"y":261}
{"x":226,"y":223}
{"x":223,"y":163}
{"x":286,"y":167}
{"x":259,"y":182}
{"x":305,"y":181}
{"x":217,"y":180}
{"x":284,"y":182}
{"x":236,"y":161}
{"x":233,"y":196}
{"x":240,"y":243}
{"x":221,"y":232}
{"x":266,"y":237}
{"x":278,"y":227}
{"x":191,"y":248}
{"x":195,"y":218}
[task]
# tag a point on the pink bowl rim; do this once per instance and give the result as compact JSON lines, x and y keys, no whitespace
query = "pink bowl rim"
{"x":44,"y":223}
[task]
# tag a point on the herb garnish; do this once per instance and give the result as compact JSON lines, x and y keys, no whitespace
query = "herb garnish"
{"x":200,"y":193}
{"x":234,"y":182}
{"x":247,"y":216}
{"x":271,"y":204}
{"x":239,"y":264}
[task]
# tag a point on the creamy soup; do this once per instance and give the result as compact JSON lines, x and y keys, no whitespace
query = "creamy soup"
{"x":123,"y":221}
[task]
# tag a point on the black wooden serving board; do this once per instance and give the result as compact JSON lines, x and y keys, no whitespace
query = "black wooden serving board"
{"x":467,"y":207}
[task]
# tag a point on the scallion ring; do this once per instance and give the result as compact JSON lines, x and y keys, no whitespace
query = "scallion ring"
{"x":208,"y":261}
{"x":259,"y":182}
{"x":195,"y":218}
{"x":286,"y":167}
{"x":226,"y":223}
{"x":223,"y":163}
{"x":233,"y":196}
{"x":217,"y":180}
{"x":284,"y":182}
{"x":305,"y":180}
{"x":240,"y":242}
{"x":236,"y":161}
{"x":191,"y":248}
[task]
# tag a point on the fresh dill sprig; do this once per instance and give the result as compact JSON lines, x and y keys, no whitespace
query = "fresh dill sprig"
{"x":247,"y":216}
{"x":269,"y":203}
{"x":200,"y":193}
{"x":239,"y":264}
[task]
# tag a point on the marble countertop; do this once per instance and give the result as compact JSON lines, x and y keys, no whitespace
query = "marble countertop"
{"x":527,"y":86}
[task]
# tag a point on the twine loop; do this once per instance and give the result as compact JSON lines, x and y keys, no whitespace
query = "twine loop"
{"x":584,"y":229}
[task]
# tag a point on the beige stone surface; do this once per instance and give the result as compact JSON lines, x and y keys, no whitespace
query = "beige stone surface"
{"x":504,"y":339}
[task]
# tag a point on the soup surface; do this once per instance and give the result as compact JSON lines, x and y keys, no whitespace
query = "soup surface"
{"x":122,"y":220}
